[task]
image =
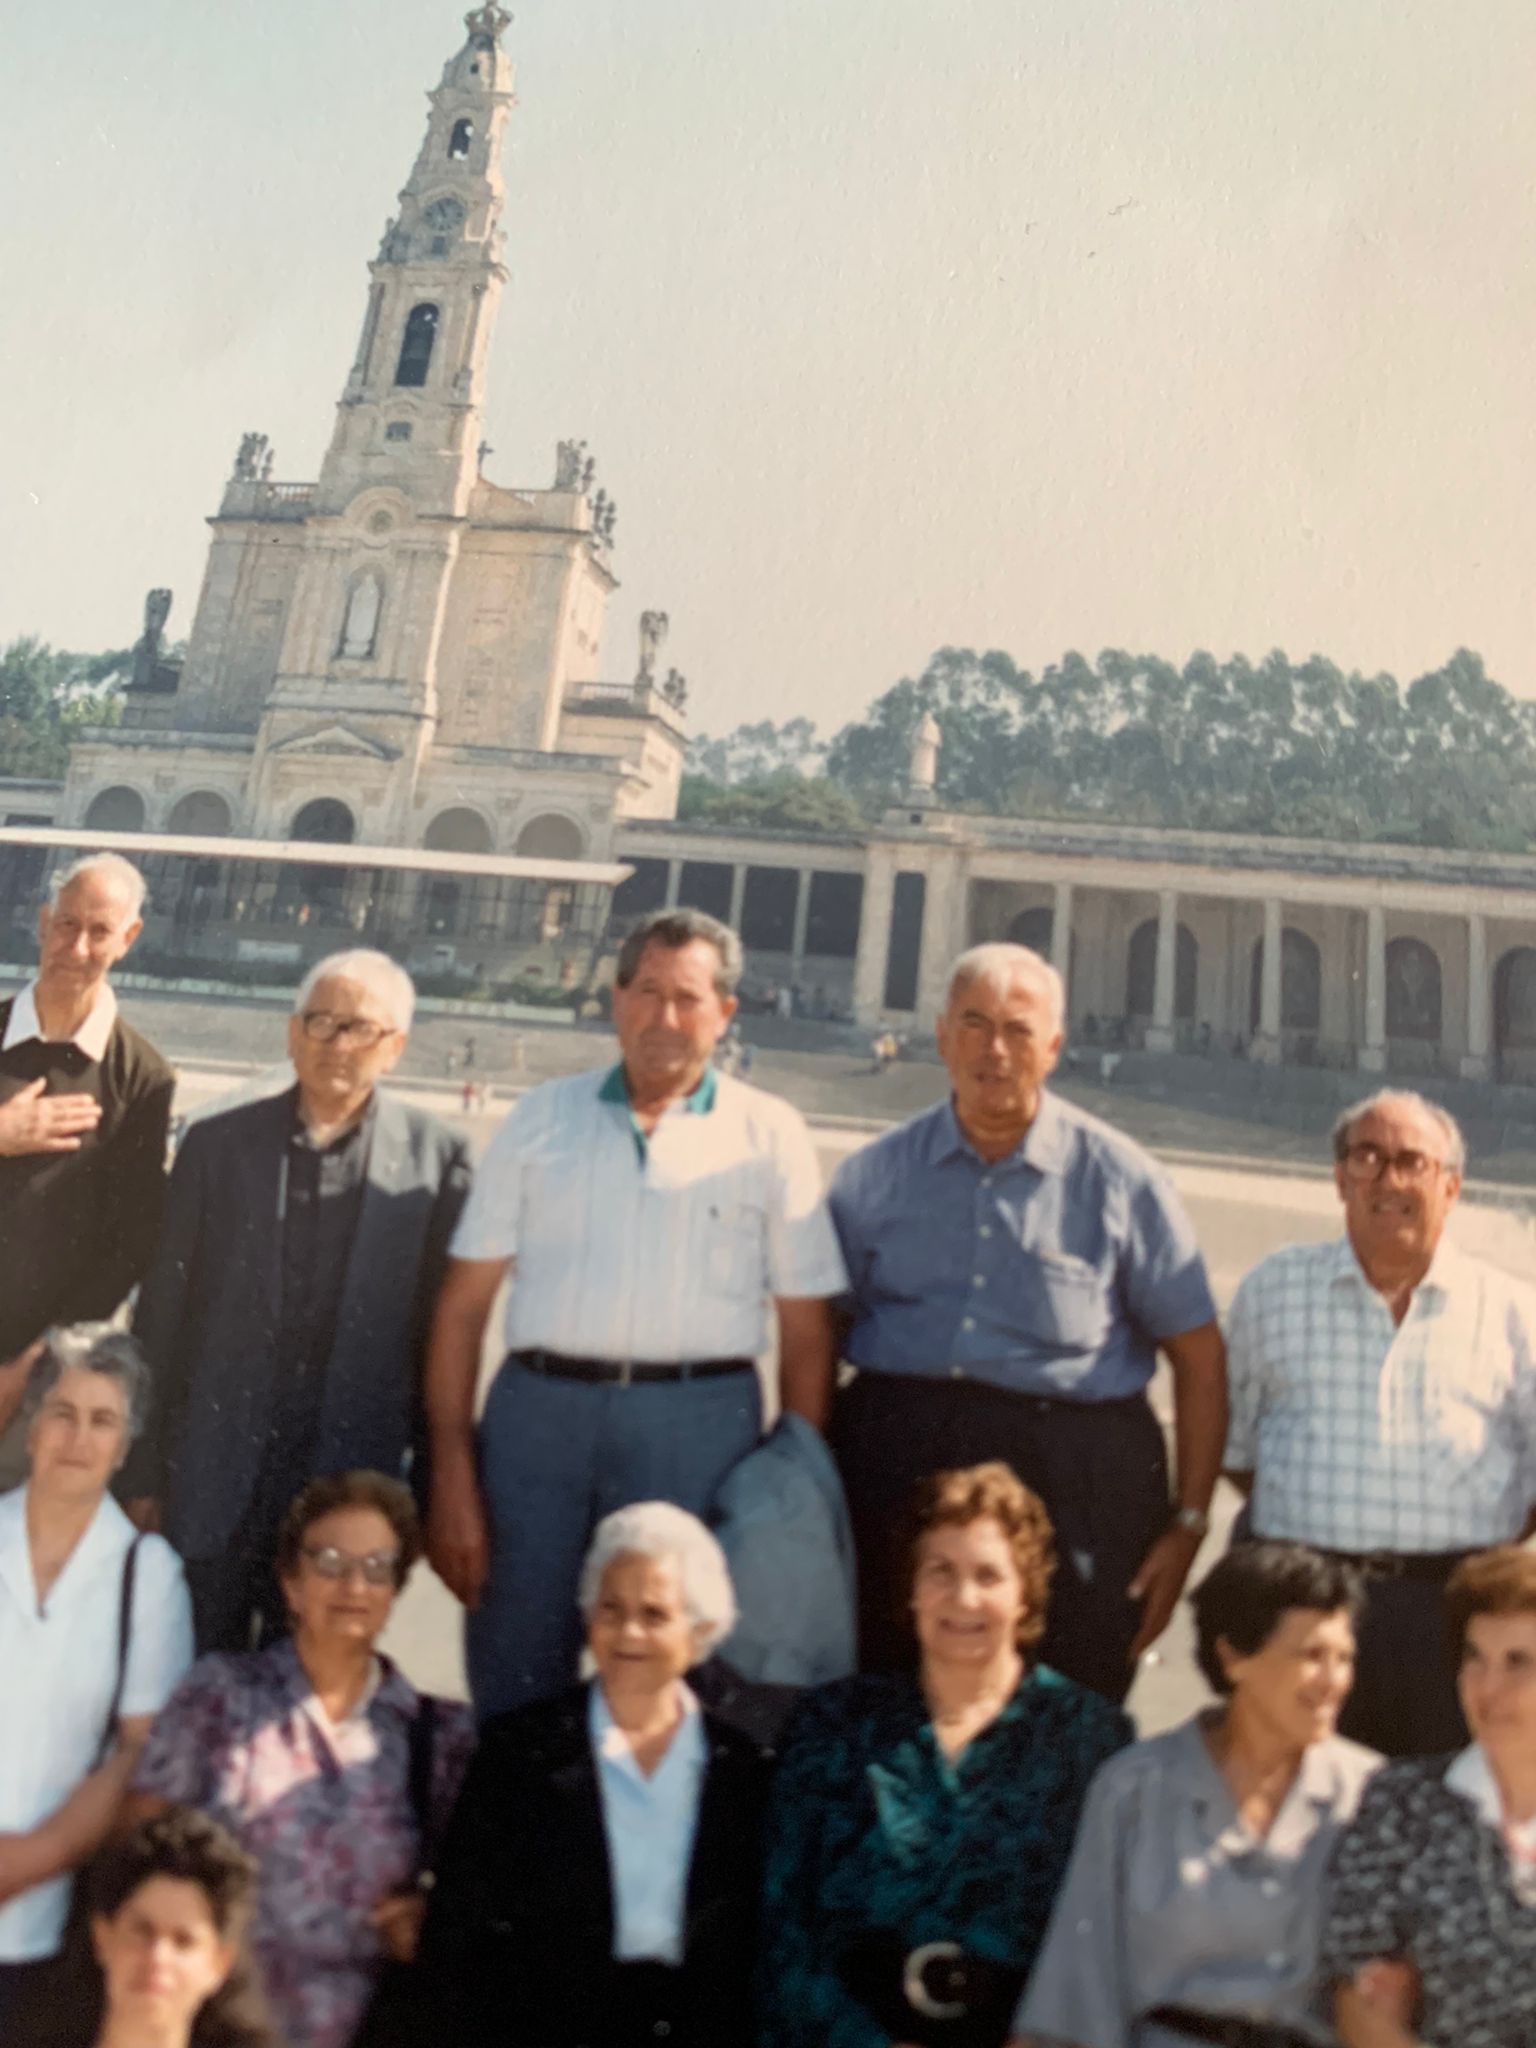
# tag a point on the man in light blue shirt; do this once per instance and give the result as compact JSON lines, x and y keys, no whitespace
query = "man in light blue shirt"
{"x":1015,"y":1266}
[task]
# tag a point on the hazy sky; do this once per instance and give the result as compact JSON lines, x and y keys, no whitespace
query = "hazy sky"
{"x":1160,"y":324}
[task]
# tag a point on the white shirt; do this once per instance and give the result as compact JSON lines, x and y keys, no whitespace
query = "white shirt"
{"x":59,"y":1669}
{"x":660,"y":1250}
{"x":92,"y":1036}
{"x":1471,"y":1775}
{"x":1364,"y":1435}
{"x":650,"y":1823}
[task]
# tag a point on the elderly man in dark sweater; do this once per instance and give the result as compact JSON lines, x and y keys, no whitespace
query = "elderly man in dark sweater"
{"x":85,"y":1103}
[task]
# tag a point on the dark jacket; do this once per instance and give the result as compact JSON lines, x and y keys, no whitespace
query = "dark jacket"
{"x":208,"y":1313}
{"x":77,"y":1228}
{"x":518,"y":1940}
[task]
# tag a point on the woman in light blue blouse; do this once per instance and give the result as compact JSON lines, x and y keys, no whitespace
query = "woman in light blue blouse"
{"x":1197,"y":1894}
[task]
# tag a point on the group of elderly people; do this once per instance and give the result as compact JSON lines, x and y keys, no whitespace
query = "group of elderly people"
{"x":961,"y":1844}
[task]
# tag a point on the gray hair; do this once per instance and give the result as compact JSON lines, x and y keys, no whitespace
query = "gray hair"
{"x":675,"y":929}
{"x":93,"y":1347}
{"x":384,"y":978}
{"x":1444,"y":1122}
{"x":123,"y":872}
{"x":1000,"y":962}
{"x":656,"y":1529}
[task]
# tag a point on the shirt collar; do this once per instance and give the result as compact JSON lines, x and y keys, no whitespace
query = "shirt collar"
{"x":299,"y":1130}
{"x":91,"y":1038}
{"x":1043,"y":1146}
{"x":1447,"y":1262}
{"x":611,"y":1747}
{"x":699,"y":1103}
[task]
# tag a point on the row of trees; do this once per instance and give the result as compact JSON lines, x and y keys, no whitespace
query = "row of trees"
{"x":46,"y":695}
{"x":1274,"y":747}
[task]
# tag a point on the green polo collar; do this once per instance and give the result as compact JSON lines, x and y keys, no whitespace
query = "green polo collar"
{"x":699,"y":1103}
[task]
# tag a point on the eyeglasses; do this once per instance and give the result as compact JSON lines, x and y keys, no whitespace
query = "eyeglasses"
{"x":324,"y":1025}
{"x":378,"y":1568}
{"x":1370,"y":1162}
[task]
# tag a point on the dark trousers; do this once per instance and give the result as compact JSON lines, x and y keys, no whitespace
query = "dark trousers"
{"x":1404,"y":1701}
{"x":1101,"y":1468}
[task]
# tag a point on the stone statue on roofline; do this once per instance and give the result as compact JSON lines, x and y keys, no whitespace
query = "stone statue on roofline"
{"x":923,"y":766}
{"x":653,"y":633}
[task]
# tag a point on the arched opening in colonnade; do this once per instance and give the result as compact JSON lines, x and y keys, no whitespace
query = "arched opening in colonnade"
{"x":1514,"y":1014}
{"x":202,"y":814}
{"x":458,"y":830}
{"x":551,"y":837}
{"x":1141,"y":972}
{"x":119,"y":809}
{"x":1413,"y":998}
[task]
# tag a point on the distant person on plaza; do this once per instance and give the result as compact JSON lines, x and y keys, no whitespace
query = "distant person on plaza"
{"x":658,"y":1218}
{"x":286,"y":1312}
{"x":921,"y":1825}
{"x":1198,"y":1889}
{"x":1439,"y":1869}
{"x":95,"y":1633}
{"x":1384,"y":1407}
{"x":599,"y":1882}
{"x":312,"y":1751}
{"x":85,"y":1105}
{"x":1014,"y":1268}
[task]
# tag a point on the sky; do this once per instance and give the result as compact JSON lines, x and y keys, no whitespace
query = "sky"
{"x":893,"y":324}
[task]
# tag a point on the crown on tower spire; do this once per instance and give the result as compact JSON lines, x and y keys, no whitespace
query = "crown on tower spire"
{"x":487,"y":21}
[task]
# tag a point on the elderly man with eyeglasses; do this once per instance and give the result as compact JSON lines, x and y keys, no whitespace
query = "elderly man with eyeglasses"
{"x":286,"y":1311}
{"x":1383,"y":1408}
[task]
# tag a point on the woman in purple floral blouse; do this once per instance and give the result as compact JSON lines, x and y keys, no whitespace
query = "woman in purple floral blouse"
{"x":304,"y":1751}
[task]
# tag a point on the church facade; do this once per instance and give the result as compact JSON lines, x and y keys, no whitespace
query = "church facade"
{"x":403,"y":653}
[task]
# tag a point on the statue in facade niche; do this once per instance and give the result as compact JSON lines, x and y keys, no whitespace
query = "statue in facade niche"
{"x":254,"y":450}
{"x":653,"y":633}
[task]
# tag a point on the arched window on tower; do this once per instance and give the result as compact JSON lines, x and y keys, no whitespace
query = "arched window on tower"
{"x":360,"y":630}
{"x":416,"y":348}
{"x":458,"y":142}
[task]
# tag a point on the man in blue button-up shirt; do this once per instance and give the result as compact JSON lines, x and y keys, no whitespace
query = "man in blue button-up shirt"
{"x":1015,"y":1266}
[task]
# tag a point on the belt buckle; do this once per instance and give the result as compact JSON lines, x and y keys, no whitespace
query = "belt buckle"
{"x":914,"y":1986}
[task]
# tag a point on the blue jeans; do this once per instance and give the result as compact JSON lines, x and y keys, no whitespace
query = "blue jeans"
{"x":556,"y":1456}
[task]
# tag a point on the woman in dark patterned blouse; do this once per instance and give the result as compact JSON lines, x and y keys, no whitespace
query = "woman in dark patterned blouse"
{"x":1439,"y":1869}
{"x":920,"y":1827}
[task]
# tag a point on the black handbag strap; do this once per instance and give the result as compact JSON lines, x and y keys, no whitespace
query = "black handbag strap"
{"x":124,"y":1638}
{"x":423,"y":1737}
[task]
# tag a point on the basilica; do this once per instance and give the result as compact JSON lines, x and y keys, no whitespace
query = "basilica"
{"x":402,"y":652}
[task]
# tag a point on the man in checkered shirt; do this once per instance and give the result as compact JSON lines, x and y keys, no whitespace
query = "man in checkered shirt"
{"x":1383,"y":1407}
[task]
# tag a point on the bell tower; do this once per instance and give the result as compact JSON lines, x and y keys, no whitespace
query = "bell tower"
{"x":410,"y":416}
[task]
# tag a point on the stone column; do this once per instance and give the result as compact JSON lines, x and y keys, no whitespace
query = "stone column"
{"x":874,"y":935}
{"x":1372,"y":1056}
{"x":674,"y":884}
{"x":1477,"y":1061}
{"x":802,"y":918}
{"x":946,"y":926}
{"x":1061,"y":942}
{"x":1160,"y":1035}
{"x":738,"y":895}
{"x":1266,"y":1046}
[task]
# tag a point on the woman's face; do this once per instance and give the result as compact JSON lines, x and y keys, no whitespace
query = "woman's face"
{"x":967,"y":1595}
{"x":1498,"y":1682}
{"x":640,"y":1634}
{"x":1298,"y":1679}
{"x":345,"y":1584}
{"x":161,"y":1956}
{"x":79,"y":1435}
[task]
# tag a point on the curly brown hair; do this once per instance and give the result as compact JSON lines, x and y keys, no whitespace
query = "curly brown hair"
{"x":1497,"y":1581}
{"x":322,"y":1497}
{"x":992,"y":1492}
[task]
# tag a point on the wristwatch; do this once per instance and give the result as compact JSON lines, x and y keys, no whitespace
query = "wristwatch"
{"x":1194,"y":1521}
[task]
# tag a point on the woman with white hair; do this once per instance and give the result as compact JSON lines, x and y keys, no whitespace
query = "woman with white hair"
{"x":599,"y":1879}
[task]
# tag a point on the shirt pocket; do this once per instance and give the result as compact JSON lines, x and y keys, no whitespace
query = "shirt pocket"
{"x":1059,"y":1300}
{"x":733,"y":1255}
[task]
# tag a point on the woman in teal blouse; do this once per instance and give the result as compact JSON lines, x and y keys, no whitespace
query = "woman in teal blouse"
{"x":921,"y":1826}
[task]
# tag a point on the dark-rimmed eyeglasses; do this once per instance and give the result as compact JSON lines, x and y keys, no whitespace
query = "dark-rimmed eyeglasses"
{"x":378,"y":1568}
{"x":324,"y":1025}
{"x":1369,"y":1162}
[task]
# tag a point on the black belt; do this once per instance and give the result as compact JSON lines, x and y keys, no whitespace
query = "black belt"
{"x":1432,"y":1566}
{"x":934,"y":1995}
{"x":1228,"y":2030}
{"x":624,"y":1372}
